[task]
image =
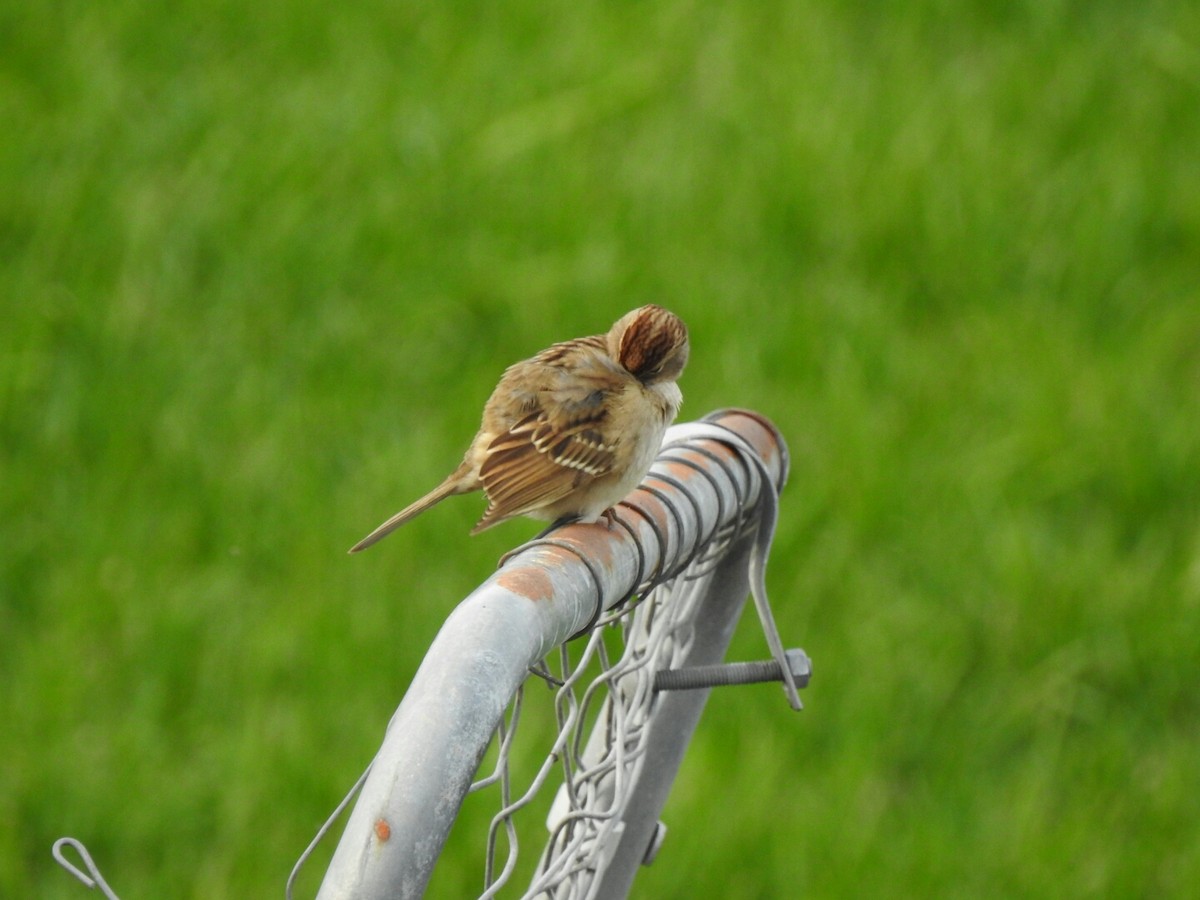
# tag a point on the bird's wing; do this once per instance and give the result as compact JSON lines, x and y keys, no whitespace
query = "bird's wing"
{"x":553,"y":449}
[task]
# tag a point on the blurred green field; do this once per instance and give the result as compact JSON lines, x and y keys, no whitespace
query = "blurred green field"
{"x":260,"y":265}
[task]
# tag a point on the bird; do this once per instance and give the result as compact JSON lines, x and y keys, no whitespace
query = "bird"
{"x":571,"y":431}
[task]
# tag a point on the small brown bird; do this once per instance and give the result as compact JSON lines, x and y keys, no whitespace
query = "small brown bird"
{"x":572,"y":431}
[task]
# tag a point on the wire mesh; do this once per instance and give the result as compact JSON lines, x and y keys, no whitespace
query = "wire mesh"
{"x":603,"y":704}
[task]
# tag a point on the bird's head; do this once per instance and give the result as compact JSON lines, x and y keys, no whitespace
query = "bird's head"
{"x":651,"y":343}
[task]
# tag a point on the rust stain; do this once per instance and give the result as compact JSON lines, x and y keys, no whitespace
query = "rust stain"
{"x":677,"y":470}
{"x":598,"y":541}
{"x":650,"y":507}
{"x":529,"y":582}
{"x":383,"y":830}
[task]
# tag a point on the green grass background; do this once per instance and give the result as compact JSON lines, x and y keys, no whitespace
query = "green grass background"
{"x":260,"y":264}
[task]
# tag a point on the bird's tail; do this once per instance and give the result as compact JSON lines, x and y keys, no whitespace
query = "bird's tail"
{"x":457,"y":483}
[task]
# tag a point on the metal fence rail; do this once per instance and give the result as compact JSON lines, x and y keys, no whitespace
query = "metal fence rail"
{"x":691,"y":542}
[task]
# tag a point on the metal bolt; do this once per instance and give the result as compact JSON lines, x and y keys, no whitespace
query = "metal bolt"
{"x":656,"y":842}
{"x":696,"y":677}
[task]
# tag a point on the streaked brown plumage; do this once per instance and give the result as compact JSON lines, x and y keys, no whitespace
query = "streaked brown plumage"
{"x":570,"y":432}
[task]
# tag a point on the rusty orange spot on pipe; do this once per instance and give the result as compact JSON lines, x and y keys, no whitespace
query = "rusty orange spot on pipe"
{"x":383,"y":830}
{"x":527,"y":582}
